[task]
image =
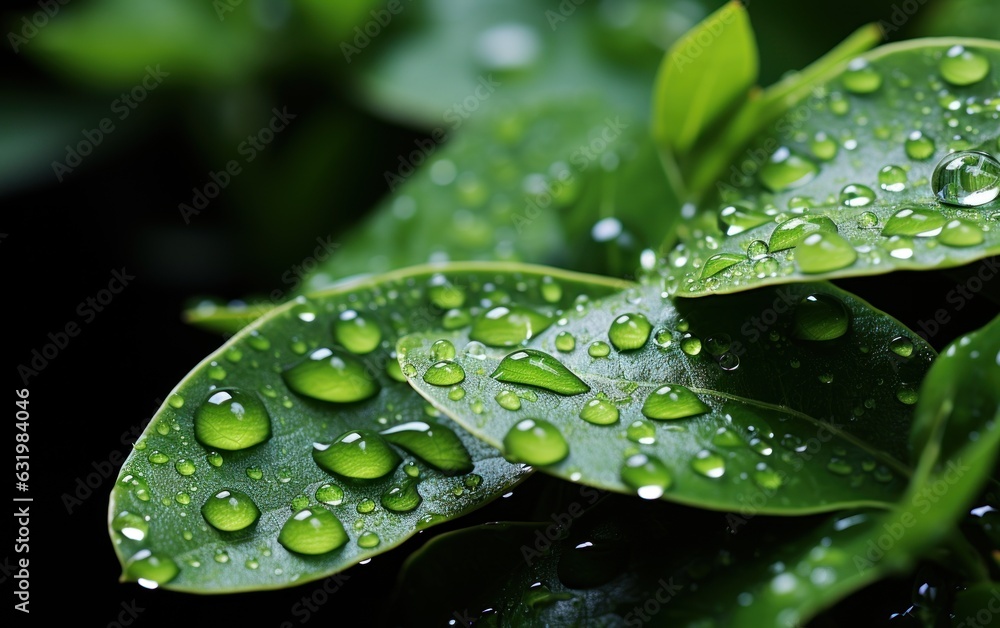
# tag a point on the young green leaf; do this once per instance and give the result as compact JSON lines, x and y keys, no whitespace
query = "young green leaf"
{"x":892,"y":164}
{"x":706,"y":72}
{"x":297,"y":449}
{"x":766,"y":396}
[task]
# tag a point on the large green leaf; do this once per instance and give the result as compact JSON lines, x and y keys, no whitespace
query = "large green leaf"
{"x":876,"y":130}
{"x":275,"y":379}
{"x":707,"y":71}
{"x":788,"y":400}
{"x":769,"y":574}
{"x":526,"y":186}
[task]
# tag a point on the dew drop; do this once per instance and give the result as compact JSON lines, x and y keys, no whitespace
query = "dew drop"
{"x":648,"y":476}
{"x":230,"y":511}
{"x":312,"y":531}
{"x":232,"y":420}
{"x":673,"y":402}
{"x":536,"y":368}
{"x":535,"y":442}
{"x":358,"y":454}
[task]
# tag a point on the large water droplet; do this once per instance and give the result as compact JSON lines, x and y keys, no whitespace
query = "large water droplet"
{"x":356,"y":333}
{"x":443,"y":350}
{"x":918,"y":146}
{"x":565,"y":342}
{"x":861,"y":78}
{"x":508,"y":326}
{"x":402,"y":497}
{"x":709,"y":464}
{"x":151,"y":569}
{"x":358,"y":454}
{"x":433,"y":443}
{"x":892,"y":179}
{"x":444,"y":294}
{"x":231,"y":419}
{"x":720,"y":262}
{"x":767,"y":478}
{"x":312,"y":531}
{"x":785,"y":170}
{"x":642,"y":432}
{"x":961,"y":232}
{"x":330,"y":494}
{"x":330,"y":375}
{"x":599,"y":349}
{"x":735,"y":219}
{"x":536,"y":368}
{"x":789,"y":233}
{"x":629,"y":332}
{"x":130,"y":525}
{"x":821,"y":317}
{"x":960,"y":66}
{"x":673,"y":402}
{"x":823,"y":146}
{"x":824,"y":252}
{"x":856,"y":195}
{"x":647,"y":475}
{"x":914,"y":222}
{"x":967,"y":179}
{"x":444,"y":373}
{"x":599,"y":412}
{"x":230,"y":511}
{"x":535,"y":442}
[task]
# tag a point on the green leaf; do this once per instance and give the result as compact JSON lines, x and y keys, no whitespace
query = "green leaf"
{"x":427,"y":64}
{"x":791,"y":397}
{"x":526,"y":186}
{"x":860,"y":152}
{"x":312,"y":371}
{"x":706,"y":72}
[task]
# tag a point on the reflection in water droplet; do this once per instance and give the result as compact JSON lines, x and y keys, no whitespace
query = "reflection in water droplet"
{"x":232,"y":420}
{"x":536,"y":368}
{"x":312,"y":531}
{"x":535,"y":442}
{"x":967,"y":179}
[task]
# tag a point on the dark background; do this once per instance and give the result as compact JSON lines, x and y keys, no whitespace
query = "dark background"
{"x":118,"y":210}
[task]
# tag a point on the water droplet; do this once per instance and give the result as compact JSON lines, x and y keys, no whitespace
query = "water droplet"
{"x":252,"y":563}
{"x":175,"y":401}
{"x":358,"y":454}
{"x":901,"y":346}
{"x":565,"y":342}
{"x":331,"y":375}
{"x":138,"y":485}
{"x":330,"y":494}
{"x":839,"y":466}
{"x":642,"y":432}
{"x":158,"y":457}
{"x":472,"y":481}
{"x":185,"y":467}
{"x":736,"y":219}
{"x":505,"y":326}
{"x":868,"y":220}
{"x":822,"y":252}
{"x":892,"y":179}
{"x":356,"y":333}
{"x":255,"y":473}
{"x":718,"y":344}
{"x":961,"y":232}
{"x":428,"y":520}
{"x":299,"y":502}
{"x":151,"y":569}
{"x":767,"y":478}
{"x":729,"y":361}
{"x":442,"y":350}
{"x":444,"y":294}
{"x":757,"y":250}
{"x":856,"y":195}
{"x":861,"y":78}
{"x":647,"y":475}
{"x":216,"y":371}
{"x":312,"y":531}
{"x":508,"y":400}
{"x":230,"y":511}
{"x":368,"y":540}
{"x":821,"y":317}
{"x":403,"y":497}
{"x":599,"y":349}
{"x":960,"y":66}
{"x":914,"y":222}
{"x":535,"y":442}
{"x":257,"y":341}
{"x":551,"y":290}
{"x":539,"y":369}
{"x":232,"y":420}
{"x":130,"y":525}
{"x":673,"y":402}
{"x":215,"y":459}
{"x":456,"y":393}
{"x":725,"y":437}
{"x":720,"y":262}
{"x":789,"y":233}
{"x":823,"y":146}
{"x":765,"y":267}
{"x":663,"y":338}
{"x":907,"y":395}
{"x":918,"y":146}
{"x":709,"y":464}
{"x":444,"y":373}
{"x":455,"y":319}
{"x":599,"y":412}
{"x":364,"y":507}
{"x":967,"y":179}
{"x":691,"y":344}
{"x":785,"y":170}
{"x":433,"y":443}
{"x":629,"y":332}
